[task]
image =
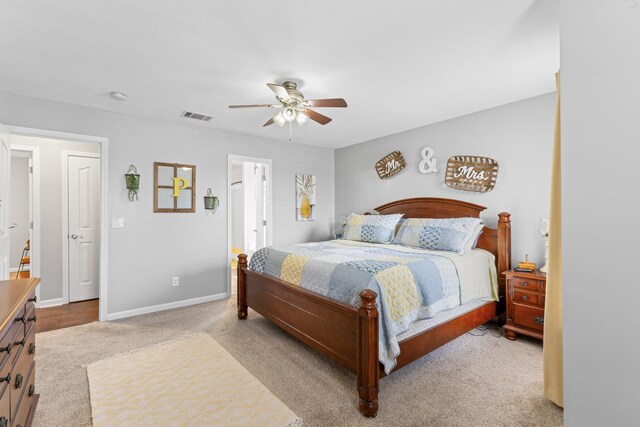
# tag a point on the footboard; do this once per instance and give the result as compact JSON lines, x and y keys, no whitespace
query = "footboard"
{"x":346,"y":334}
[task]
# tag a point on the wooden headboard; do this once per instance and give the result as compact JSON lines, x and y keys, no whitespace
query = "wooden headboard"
{"x":495,"y":240}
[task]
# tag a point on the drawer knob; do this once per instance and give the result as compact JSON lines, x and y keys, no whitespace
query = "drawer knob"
{"x":34,"y":299}
{"x":540,"y":320}
{"x":33,"y":319}
{"x":524,"y":284}
{"x":524,"y":297}
{"x":32,"y":390}
{"x":7,"y":349}
{"x":21,"y":342}
{"x":32,"y":348}
{"x":22,"y":319}
{"x":6,"y":379}
{"x":3,"y":422}
{"x":19,"y":379}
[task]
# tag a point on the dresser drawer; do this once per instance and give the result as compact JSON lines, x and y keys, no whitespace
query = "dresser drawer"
{"x":31,"y":302}
{"x":7,"y":349}
{"x":525,"y":297}
{"x":4,"y":403}
{"x":532,"y":285}
{"x":30,"y":321}
{"x":529,"y":317}
{"x":24,"y":404}
{"x":20,"y":373}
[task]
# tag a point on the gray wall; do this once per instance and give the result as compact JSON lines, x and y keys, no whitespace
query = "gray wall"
{"x":519,"y":136}
{"x":600,"y":64}
{"x":51,"y":168}
{"x":154,"y":247}
{"x":19,"y":208}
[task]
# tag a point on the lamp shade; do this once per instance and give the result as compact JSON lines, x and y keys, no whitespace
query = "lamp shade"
{"x":289,"y":114}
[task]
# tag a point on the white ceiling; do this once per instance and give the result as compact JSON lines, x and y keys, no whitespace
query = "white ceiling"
{"x":399,"y":64}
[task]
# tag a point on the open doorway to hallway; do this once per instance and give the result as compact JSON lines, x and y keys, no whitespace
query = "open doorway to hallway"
{"x":249,"y":190}
{"x":55,"y":204}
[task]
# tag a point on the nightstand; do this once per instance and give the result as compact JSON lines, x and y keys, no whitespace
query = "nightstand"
{"x":525,"y":304}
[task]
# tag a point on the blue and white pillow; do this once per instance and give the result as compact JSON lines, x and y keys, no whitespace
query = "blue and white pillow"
{"x":371,"y":228}
{"x":450,"y":234}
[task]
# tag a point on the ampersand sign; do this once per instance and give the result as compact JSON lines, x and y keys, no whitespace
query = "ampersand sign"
{"x":428,"y":164}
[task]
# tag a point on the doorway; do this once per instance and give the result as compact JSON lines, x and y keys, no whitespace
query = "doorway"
{"x":23,"y":243}
{"x":59,"y":262}
{"x":249,"y":209}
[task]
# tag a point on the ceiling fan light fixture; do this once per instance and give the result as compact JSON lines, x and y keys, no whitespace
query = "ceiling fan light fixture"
{"x":279,"y":119}
{"x":301,"y":118}
{"x":289,"y":113}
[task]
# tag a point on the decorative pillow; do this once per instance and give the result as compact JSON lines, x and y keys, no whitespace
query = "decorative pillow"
{"x":450,"y":234}
{"x":371,"y":228}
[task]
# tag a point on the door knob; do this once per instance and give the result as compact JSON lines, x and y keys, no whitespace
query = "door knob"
{"x":75,"y":236}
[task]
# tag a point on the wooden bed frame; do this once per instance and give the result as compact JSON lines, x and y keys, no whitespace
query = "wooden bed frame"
{"x":349,"y":335}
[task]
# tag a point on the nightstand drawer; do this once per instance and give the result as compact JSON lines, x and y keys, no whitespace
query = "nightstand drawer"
{"x":532,"y":285}
{"x":529,"y":317}
{"x":525,"y":297}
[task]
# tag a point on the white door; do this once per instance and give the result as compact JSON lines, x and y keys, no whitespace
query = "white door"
{"x":261,"y":214}
{"x":5,"y":163}
{"x":84,"y":227}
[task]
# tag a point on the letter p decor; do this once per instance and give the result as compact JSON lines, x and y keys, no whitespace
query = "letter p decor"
{"x":179,"y":184}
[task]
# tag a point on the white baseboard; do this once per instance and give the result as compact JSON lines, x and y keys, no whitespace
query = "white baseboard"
{"x":167,"y":306}
{"x":49,"y":303}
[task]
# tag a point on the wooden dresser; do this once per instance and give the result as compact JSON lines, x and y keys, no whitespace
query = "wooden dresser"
{"x":17,"y":351}
{"x":525,"y":304}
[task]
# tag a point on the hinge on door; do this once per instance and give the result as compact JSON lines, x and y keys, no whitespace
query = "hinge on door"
{"x":31,"y":224}
{"x":264,"y":222}
{"x":30,"y":169}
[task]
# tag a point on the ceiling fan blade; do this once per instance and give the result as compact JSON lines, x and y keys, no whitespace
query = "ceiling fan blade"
{"x":333,"y":102}
{"x":270,"y":122}
{"x":252,"y":106}
{"x":280,"y":91}
{"x":316,"y":117}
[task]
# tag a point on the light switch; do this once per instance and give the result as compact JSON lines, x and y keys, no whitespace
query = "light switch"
{"x":117,"y":222}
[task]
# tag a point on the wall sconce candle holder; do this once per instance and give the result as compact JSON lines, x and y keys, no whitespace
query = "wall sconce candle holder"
{"x":211,"y":202}
{"x":132,"y":180}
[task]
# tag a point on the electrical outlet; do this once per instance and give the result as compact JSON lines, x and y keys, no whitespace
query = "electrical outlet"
{"x":176,"y":281}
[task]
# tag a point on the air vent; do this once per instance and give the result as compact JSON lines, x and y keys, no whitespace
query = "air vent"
{"x":196,"y":116}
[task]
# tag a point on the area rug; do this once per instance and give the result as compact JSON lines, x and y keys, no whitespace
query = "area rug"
{"x":187,"y":382}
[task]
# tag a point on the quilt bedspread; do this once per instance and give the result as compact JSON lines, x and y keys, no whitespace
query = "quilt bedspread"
{"x":411,"y":283}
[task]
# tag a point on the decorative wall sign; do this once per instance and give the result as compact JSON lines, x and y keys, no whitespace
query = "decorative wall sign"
{"x":471,"y":173}
{"x":305,"y":197}
{"x":428,"y":164}
{"x":390,"y":165}
{"x":175,"y":187}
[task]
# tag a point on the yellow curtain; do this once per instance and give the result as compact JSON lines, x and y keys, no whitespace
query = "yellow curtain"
{"x":552,"y":347}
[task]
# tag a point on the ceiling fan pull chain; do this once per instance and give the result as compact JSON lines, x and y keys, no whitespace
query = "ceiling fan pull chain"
{"x":290,"y":131}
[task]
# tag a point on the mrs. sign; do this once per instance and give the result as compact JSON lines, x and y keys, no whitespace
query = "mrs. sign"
{"x":471,"y":173}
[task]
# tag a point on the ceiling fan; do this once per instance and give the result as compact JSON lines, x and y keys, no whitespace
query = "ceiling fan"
{"x":294,"y":106}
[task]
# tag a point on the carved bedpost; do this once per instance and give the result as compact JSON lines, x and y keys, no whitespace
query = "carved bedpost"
{"x":504,"y":242}
{"x":504,"y":259}
{"x":242,"y":287}
{"x":368,"y":368}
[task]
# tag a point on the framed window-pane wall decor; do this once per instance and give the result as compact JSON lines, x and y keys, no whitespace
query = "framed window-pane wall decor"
{"x":175,"y":187}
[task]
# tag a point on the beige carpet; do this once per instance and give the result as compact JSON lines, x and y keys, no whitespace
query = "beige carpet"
{"x":191,"y":381}
{"x":474,"y":380}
